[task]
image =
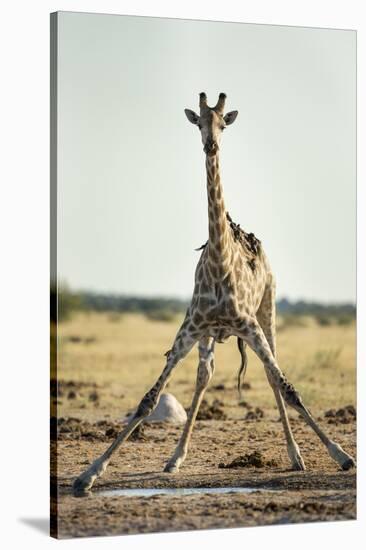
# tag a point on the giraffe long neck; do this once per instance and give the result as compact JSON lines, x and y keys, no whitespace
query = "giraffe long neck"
{"x":219,"y":240}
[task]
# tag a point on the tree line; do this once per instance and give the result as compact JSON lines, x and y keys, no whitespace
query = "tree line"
{"x":67,"y":301}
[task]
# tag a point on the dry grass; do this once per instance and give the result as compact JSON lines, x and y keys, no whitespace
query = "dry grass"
{"x":123,"y":356}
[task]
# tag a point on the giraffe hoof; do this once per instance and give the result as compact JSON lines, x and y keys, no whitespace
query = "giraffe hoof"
{"x":296,"y":459}
{"x":81,"y":485}
{"x":344,"y":460}
{"x":299,"y":467}
{"x":348,"y":464}
{"x":171,"y":468}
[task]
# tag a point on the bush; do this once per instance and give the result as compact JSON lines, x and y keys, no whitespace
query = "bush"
{"x":345,"y":320}
{"x":290,"y":320}
{"x":164,"y":315}
{"x":115,"y":317}
{"x":323,"y":320}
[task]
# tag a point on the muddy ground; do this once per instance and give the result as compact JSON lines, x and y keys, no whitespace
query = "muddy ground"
{"x":322,"y":493}
{"x":103,"y":370}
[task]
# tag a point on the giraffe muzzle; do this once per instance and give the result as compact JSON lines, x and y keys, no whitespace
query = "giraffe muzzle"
{"x":211,"y":148}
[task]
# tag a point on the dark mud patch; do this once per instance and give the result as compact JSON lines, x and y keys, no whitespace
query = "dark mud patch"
{"x":254,"y":414}
{"x":218,"y":387}
{"x":76,"y":429}
{"x":344,"y":415}
{"x":249,"y":460}
{"x":71,"y":389}
{"x":139,"y":434}
{"x":214,"y":411}
{"x":75,"y":339}
{"x":245,"y":404}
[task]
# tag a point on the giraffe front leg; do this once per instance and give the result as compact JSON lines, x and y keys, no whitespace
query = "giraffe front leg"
{"x":252,"y":333}
{"x":86,"y":480}
{"x":204,"y":375}
{"x":182,"y":345}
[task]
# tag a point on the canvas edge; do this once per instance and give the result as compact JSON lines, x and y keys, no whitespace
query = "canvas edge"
{"x":53,"y":270}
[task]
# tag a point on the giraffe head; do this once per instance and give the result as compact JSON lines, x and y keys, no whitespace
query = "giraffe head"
{"x":211,"y":122}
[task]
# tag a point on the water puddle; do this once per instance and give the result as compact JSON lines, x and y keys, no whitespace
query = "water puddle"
{"x":173,"y":492}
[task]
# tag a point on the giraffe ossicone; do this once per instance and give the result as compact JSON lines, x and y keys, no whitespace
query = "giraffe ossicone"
{"x":234,"y":295}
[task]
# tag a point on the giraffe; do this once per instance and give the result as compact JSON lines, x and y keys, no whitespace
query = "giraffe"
{"x":234,"y":295}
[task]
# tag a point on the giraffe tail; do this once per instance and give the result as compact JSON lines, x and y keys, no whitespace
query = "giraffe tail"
{"x":243,"y":366}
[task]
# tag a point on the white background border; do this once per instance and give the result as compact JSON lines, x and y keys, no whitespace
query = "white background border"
{"x":24,"y":123}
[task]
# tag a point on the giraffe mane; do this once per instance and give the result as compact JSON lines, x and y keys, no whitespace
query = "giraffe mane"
{"x":248,"y":240}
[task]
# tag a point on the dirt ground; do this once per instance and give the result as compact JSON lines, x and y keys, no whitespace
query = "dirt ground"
{"x":95,"y":392}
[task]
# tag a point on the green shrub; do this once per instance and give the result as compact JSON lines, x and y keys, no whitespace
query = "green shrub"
{"x":323,"y":320}
{"x":164,"y":315}
{"x":345,"y":320}
{"x":290,"y":320}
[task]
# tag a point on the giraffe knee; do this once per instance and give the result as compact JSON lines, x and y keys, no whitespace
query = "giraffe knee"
{"x":146,"y":406}
{"x":290,"y":394}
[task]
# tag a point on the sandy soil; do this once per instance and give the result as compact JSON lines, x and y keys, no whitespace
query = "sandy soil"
{"x":322,"y":493}
{"x":104,"y":369}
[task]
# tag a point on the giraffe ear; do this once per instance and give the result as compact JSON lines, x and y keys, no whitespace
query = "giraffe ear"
{"x":230,"y":117}
{"x":192,"y":116}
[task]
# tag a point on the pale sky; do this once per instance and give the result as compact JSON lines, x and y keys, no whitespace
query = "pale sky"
{"x":132,"y":202}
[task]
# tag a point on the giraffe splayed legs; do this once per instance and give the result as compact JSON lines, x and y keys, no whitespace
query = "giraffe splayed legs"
{"x":182,"y":345}
{"x":252,"y":333}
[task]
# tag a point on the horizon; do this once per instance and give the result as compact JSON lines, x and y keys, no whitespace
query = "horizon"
{"x":63,"y":286}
